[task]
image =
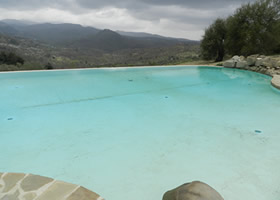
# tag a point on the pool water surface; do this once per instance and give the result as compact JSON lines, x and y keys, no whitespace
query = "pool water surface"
{"x":134,"y":133}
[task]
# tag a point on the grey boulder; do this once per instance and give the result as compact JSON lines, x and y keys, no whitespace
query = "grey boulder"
{"x":251,"y":60}
{"x":229,"y":63}
{"x":193,"y":191}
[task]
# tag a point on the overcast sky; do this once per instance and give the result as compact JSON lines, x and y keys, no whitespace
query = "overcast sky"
{"x":175,"y":18}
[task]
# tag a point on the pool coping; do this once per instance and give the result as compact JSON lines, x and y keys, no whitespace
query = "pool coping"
{"x":22,"y":186}
{"x":275,"y":81}
{"x":275,"y":78}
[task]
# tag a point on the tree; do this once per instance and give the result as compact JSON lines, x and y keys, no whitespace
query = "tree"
{"x":212,"y":44}
{"x":252,"y":29}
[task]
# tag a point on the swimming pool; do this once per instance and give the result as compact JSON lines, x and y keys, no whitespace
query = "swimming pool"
{"x":134,"y":133}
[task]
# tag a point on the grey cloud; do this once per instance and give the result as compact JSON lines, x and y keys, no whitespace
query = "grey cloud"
{"x":184,"y":15}
{"x":131,"y":4}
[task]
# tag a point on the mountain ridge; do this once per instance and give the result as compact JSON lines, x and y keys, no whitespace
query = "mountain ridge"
{"x":60,"y":46}
{"x":65,"y":33}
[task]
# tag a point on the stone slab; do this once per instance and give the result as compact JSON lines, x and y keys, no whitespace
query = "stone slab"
{"x":13,"y":196}
{"x":275,"y":81}
{"x":57,"y":191}
{"x":34,"y":187}
{"x":11,"y":180}
{"x":83,"y":194}
{"x":29,"y":196}
{"x":34,"y":182}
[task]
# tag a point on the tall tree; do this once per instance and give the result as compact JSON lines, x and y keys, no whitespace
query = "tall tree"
{"x":212,"y":44}
{"x":253,"y":28}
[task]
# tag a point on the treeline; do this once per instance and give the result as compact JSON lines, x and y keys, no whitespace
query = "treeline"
{"x":254,"y":28}
{"x":10,"y":59}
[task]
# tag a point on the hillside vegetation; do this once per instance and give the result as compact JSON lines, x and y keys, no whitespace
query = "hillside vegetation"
{"x":51,"y":46}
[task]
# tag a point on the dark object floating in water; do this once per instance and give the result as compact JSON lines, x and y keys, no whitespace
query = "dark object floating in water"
{"x":130,"y":80}
{"x":258,"y":131}
{"x":166,"y":97}
{"x":10,"y":118}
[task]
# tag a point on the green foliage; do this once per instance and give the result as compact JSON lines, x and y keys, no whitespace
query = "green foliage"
{"x":252,"y":29}
{"x":10,"y":59}
{"x":49,"y":66}
{"x":212,"y":44}
{"x":37,"y":54}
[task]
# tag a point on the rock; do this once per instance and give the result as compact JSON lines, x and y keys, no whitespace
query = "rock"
{"x":193,"y":191}
{"x":270,"y":72}
{"x":259,"y":62}
{"x":236,"y":58}
{"x":242,"y":58}
{"x":251,"y":60}
{"x":241,"y":64}
{"x":229,"y":63}
{"x":254,"y":68}
{"x":268,"y":62}
{"x":232,"y":62}
{"x":275,"y":81}
{"x":277,"y":64}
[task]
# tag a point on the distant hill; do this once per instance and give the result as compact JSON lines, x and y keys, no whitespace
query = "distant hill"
{"x":75,"y":35}
{"x":17,"y":22}
{"x":56,"y":33}
{"x":7,"y":29}
{"x":74,"y":46}
{"x":149,"y":35}
{"x":108,"y":40}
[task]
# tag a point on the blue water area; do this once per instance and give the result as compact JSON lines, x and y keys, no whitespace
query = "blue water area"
{"x":134,"y":133}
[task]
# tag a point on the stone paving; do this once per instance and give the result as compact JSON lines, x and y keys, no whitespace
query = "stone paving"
{"x":275,"y":81}
{"x":19,"y":186}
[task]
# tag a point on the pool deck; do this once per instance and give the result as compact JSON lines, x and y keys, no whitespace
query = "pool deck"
{"x":19,"y":186}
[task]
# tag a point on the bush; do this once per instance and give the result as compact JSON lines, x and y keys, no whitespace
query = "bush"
{"x":10,"y":59}
{"x":49,"y":66}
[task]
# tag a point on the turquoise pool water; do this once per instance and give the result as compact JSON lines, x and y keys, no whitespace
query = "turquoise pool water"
{"x":134,"y":133}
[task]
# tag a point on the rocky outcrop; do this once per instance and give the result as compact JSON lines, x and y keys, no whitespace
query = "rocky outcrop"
{"x":258,"y":63}
{"x":268,"y":65}
{"x":193,"y":191}
{"x":235,"y":61}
